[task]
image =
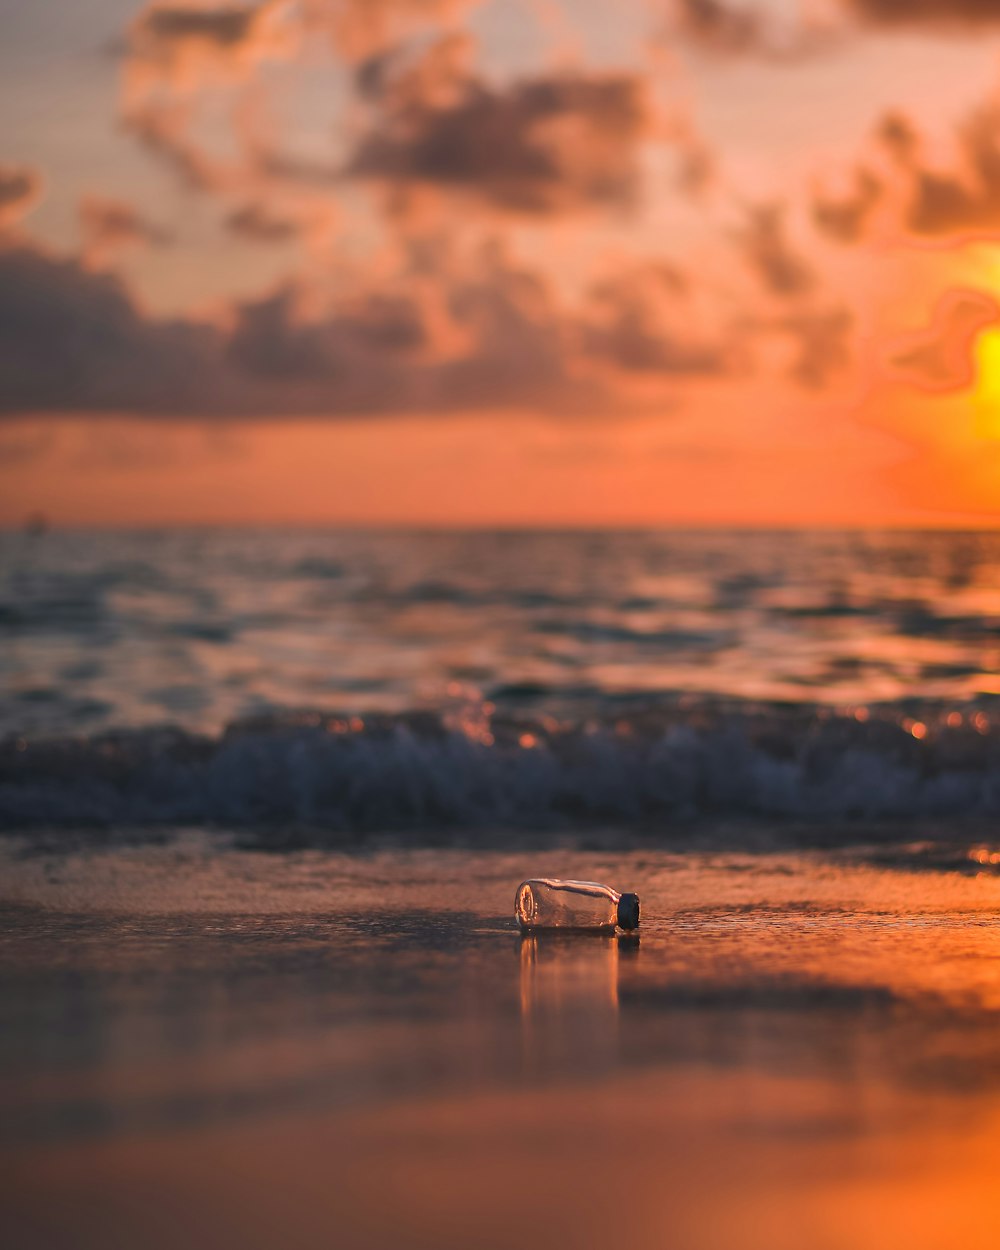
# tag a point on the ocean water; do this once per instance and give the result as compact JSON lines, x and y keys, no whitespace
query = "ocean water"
{"x":343,"y":682}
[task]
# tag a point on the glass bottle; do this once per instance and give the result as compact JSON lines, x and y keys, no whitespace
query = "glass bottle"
{"x":545,"y":903}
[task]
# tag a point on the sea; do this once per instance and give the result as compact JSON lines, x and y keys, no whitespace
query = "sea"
{"x":324,"y":683}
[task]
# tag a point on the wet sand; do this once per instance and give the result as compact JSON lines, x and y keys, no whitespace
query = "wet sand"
{"x":202,"y":1045}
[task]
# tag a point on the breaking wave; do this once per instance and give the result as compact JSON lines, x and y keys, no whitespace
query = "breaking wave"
{"x":651,"y":768}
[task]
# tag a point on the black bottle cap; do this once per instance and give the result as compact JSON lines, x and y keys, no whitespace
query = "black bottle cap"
{"x":628,"y":911}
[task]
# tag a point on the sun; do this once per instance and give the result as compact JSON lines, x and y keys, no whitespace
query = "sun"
{"x":986,"y":394}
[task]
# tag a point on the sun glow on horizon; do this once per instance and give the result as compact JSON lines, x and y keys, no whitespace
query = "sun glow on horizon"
{"x":986,"y":394}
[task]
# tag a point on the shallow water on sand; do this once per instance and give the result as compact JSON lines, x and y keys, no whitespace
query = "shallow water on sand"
{"x":217,"y":1046}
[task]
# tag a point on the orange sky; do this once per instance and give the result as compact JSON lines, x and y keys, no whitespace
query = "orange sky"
{"x":472,"y":262}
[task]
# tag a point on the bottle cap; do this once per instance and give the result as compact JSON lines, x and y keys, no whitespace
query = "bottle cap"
{"x":628,"y":911}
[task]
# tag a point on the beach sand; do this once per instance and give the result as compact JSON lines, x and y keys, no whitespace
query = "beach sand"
{"x":212,"y":1046}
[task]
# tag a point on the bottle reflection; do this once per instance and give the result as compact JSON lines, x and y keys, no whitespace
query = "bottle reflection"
{"x":569,"y":1000}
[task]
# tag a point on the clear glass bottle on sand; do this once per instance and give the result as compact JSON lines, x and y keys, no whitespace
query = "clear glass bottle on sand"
{"x":545,"y":903}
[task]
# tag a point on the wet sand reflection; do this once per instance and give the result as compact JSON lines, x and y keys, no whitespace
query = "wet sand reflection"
{"x":795,"y":1052}
{"x":569,"y":1001}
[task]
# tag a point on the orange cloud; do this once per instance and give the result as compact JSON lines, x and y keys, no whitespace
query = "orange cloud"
{"x":907,"y":193}
{"x":363,"y":28}
{"x":182,"y":45}
{"x":737,"y":30}
{"x":845,"y":218}
{"x":20,"y":190}
{"x":943,"y":14}
{"x":941,"y":358}
{"x":643,"y":321}
{"x":821,"y":340}
{"x":763,"y":241}
{"x":109,"y":225}
{"x":967,"y":201}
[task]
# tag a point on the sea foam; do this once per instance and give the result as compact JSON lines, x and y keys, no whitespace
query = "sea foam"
{"x":648,"y":768}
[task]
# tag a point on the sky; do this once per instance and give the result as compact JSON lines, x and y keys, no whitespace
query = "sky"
{"x":500,"y":262}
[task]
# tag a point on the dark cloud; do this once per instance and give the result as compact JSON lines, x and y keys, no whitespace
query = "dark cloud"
{"x":72,"y":340}
{"x":938,"y":13}
{"x":969,"y":201}
{"x":822,"y":340}
{"x":845,"y":217}
{"x":268,"y":341}
{"x":257,"y":222}
{"x":965,"y":200}
{"x":108,"y":225}
{"x":898,"y":136}
{"x":538,"y":146}
{"x":480,"y":334}
{"x":20,"y":188}
{"x":169,"y":42}
{"x":960,"y":198}
{"x":940,"y":358}
{"x":726,"y":29}
{"x":721,"y":27}
{"x":169,"y":24}
{"x":752,"y":29}
{"x":765,"y":247}
{"x":641,"y":322}
{"x":203,"y":41}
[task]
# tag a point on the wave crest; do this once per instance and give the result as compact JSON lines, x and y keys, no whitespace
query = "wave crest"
{"x":647,"y":768}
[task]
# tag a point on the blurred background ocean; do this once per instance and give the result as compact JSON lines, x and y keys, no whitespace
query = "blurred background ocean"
{"x":386,"y":679}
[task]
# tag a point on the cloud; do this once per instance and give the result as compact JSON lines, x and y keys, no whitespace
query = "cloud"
{"x":641,"y":322}
{"x":765,"y":247}
{"x":968,"y":201}
{"x":946,"y":14}
{"x":726,"y":30}
{"x":754,"y":30}
{"x":364,"y":28}
{"x":845,"y":218}
{"x":927,"y":200}
{"x":261,"y":224}
{"x":184,"y":45}
{"x":931,"y":200}
{"x":163,"y":129}
{"x":188,"y":45}
{"x":822,"y":340}
{"x":270,"y":342}
{"x":549,"y":144}
{"x":166,"y":26}
{"x":72,"y":340}
{"x":109,"y":225}
{"x":176,"y":54}
{"x":941,"y":357}
{"x":447,"y":333}
{"x":20,"y":190}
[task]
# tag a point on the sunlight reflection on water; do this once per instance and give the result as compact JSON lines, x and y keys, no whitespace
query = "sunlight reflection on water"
{"x":200,"y":628}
